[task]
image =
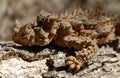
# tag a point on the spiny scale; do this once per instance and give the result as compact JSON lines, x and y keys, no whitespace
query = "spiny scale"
{"x":68,"y":30}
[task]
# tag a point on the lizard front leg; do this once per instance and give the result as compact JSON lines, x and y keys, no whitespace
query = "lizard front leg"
{"x":87,"y":48}
{"x":75,"y":62}
{"x":80,"y":39}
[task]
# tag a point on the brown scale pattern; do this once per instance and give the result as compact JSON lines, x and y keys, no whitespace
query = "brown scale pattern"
{"x":77,"y":30}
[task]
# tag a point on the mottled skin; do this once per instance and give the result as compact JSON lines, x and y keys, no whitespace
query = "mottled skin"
{"x":71,"y":31}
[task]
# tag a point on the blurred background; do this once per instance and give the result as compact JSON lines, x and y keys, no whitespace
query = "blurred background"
{"x":26,"y":10}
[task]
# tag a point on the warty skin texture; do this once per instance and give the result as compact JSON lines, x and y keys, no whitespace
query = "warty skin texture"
{"x":69,"y":31}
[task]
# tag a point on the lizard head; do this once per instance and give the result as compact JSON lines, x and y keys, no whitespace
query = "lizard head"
{"x":39,"y":33}
{"x":23,"y":35}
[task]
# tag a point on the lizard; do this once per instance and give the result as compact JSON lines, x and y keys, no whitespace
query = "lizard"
{"x":79,"y":30}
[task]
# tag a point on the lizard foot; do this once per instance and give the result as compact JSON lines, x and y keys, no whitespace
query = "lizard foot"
{"x":73,"y":64}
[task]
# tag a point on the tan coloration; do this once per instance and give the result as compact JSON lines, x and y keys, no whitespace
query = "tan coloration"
{"x":78,"y":31}
{"x":106,"y":32}
{"x":83,"y":56}
{"x":73,"y":63}
{"x":74,"y":34}
{"x":38,"y":33}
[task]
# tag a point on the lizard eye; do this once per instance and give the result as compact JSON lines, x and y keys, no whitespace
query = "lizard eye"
{"x":23,"y":35}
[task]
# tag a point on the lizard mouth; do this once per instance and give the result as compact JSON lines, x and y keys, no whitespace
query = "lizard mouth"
{"x":19,"y":40}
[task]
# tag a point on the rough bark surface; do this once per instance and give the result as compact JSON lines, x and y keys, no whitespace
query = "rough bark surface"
{"x":47,"y":62}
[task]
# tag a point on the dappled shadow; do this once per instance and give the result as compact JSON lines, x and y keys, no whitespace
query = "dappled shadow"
{"x":115,"y":44}
{"x":31,"y":49}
